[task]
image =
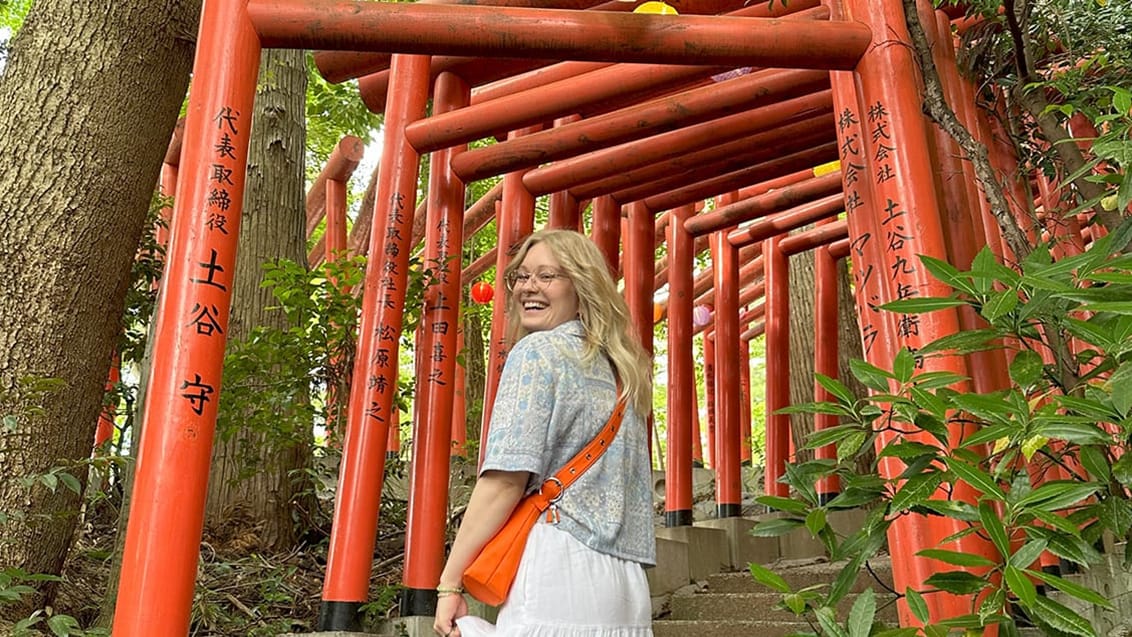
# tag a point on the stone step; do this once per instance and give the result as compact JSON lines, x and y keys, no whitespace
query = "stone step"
{"x":687,"y":628}
{"x":759,"y":607}
{"x":804,"y":573}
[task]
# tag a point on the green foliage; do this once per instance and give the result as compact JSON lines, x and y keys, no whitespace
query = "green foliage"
{"x":333,"y":111}
{"x":1056,"y":49}
{"x":1046,"y":457}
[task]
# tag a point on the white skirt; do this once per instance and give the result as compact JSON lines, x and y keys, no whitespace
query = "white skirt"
{"x":566,"y":589}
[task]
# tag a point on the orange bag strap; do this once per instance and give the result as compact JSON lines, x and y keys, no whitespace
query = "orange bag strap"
{"x":553,"y":486}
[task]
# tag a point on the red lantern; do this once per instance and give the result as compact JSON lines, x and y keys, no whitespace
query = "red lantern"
{"x":482,"y":292}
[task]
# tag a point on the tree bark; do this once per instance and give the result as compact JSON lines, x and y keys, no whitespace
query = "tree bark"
{"x":253,"y":485}
{"x":88,"y":102}
{"x":802,"y":346}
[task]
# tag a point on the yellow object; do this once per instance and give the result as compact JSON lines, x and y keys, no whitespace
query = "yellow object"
{"x":657,"y":7}
{"x":826,"y":168}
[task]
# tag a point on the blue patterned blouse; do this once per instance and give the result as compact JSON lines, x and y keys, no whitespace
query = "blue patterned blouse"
{"x":550,"y":405}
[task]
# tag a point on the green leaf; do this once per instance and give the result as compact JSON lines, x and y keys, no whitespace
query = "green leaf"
{"x":992,"y":604}
{"x":1071,"y":588}
{"x":1028,"y":554}
{"x":958,"y":582}
{"x":935,"y":380}
{"x":1122,"y":470}
{"x":917,"y":489}
{"x":1072,"y":429}
{"x":992,"y":524}
{"x":1116,"y":514}
{"x":954,"y":509}
{"x":1000,"y":305}
{"x":921,"y":304}
{"x":907,"y":449}
{"x":1061,"y":618}
{"x":917,"y":605}
{"x":989,"y":434}
{"x":849,"y":445}
{"x":862,"y":613}
{"x":904,"y":365}
{"x":1116,"y":307}
{"x":823,"y":437}
{"x":947,"y":273}
{"x":1086,"y":407}
{"x":815,"y":521}
{"x":828,"y":620}
{"x":1121,"y":385}
{"x":779,"y":503}
{"x":1055,"y":521}
{"x":1056,"y":495}
{"x":1020,"y":585}
{"x":63,"y":625}
{"x":1067,"y":546}
{"x":956,"y":558}
{"x":1095,"y":461}
{"x":976,"y":478}
{"x":963,"y":342}
{"x":50,"y":480}
{"x":71,"y":482}
{"x":989,"y":407}
{"x":769,"y":578}
{"x":795,"y":602}
{"x":1026,"y":368}
{"x":775,"y":527}
{"x":870,"y":376}
{"x":836,"y":388}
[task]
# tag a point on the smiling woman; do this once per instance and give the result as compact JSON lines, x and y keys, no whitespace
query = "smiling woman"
{"x":581,"y":573}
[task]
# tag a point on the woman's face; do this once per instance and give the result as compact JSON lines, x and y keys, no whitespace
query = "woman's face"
{"x":546,"y":296}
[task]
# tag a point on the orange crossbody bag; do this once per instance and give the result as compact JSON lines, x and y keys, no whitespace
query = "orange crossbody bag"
{"x":489,"y":577}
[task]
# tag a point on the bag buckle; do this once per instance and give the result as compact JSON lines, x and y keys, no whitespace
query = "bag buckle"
{"x":552,"y":516}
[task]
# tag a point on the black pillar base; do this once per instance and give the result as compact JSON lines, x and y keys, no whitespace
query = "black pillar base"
{"x":697,"y":464}
{"x":682,"y":517}
{"x":1052,"y":569}
{"x":418,"y":602}
{"x":745,"y":463}
{"x":340,"y":616}
{"x":826,"y":498}
{"x":728,"y":510}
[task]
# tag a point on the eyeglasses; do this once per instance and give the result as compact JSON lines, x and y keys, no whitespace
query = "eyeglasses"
{"x":542,"y":279}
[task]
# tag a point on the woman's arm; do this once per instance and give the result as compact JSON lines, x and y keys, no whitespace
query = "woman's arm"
{"x":494,"y":497}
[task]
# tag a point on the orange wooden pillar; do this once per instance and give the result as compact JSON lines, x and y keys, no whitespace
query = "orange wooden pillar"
{"x":728,"y":481}
{"x":159,"y":561}
{"x":606,"y":231}
{"x":514,"y":221}
{"x":777,"y":323}
{"x":639,"y":260}
{"x":709,"y":399}
{"x":894,"y":139}
{"x":681,"y":373}
{"x":427,"y":518}
{"x":373,"y":410}
{"x":334,"y":241}
{"x":104,"y":433}
{"x":744,"y":397}
{"x":459,"y":400}
{"x":564,"y":209}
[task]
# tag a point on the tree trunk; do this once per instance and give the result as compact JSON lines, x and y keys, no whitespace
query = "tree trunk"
{"x":253,"y":485}
{"x":475,"y":376}
{"x":802,"y":344}
{"x":88,"y":102}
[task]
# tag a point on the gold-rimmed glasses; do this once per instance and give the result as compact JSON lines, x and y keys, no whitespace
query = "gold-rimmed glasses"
{"x":541,"y":279}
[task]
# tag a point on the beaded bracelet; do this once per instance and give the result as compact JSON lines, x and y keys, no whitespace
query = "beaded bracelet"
{"x":441,"y":591}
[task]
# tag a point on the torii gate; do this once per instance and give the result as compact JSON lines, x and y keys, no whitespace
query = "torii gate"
{"x":163,"y":534}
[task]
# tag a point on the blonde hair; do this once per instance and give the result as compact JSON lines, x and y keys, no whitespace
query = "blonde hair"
{"x":602,"y":310}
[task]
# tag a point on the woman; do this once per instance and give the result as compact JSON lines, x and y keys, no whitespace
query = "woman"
{"x":584,"y":575}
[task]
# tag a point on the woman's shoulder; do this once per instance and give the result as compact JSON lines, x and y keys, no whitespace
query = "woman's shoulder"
{"x":562,"y":341}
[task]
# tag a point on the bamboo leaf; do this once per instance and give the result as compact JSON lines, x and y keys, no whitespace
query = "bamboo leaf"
{"x":917,"y":605}
{"x":994,"y":527}
{"x":976,"y":478}
{"x":921,"y":304}
{"x":774,"y":502}
{"x":916,"y":490}
{"x":958,"y":582}
{"x":1061,"y":618}
{"x":862,"y":613}
{"x":775,"y":527}
{"x":956,"y":558}
{"x":1071,"y":588}
{"x":769,"y":578}
{"x":1056,"y":495}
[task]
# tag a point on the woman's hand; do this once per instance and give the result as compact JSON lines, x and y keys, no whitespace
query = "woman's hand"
{"x":449,"y":608}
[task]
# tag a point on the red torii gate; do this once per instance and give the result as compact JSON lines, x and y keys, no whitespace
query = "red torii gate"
{"x":165,"y":525}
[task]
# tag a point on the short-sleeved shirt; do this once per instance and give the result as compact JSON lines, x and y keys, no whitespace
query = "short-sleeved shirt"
{"x":549,"y":405}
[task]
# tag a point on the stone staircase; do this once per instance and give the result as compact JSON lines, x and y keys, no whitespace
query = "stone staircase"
{"x":735,"y":605}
